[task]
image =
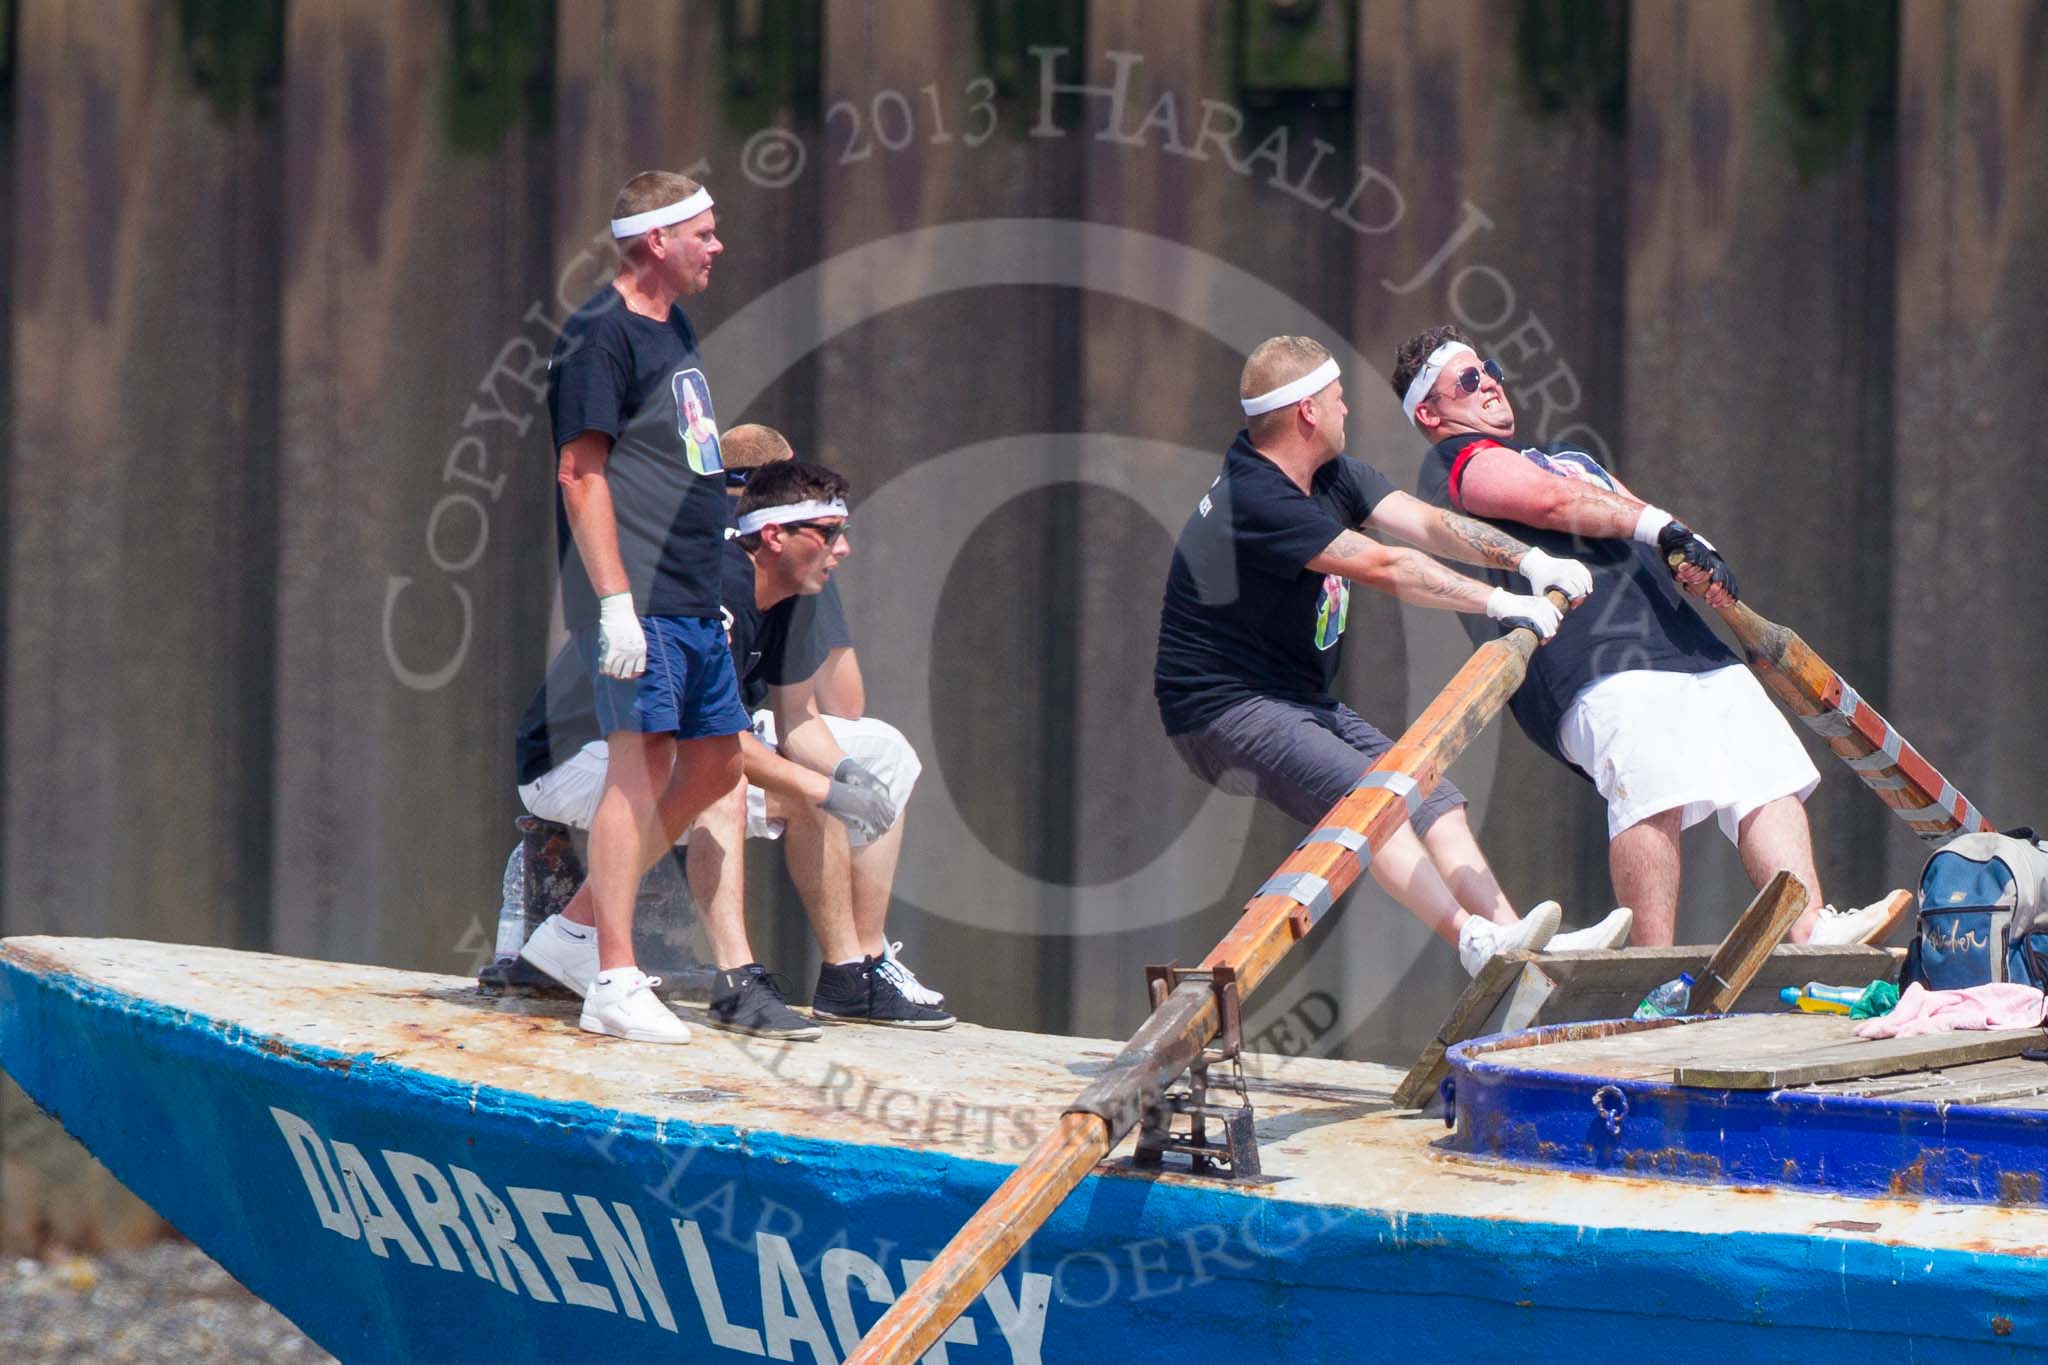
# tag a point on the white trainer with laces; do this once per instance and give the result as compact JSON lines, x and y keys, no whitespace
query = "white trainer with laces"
{"x":906,"y":980}
{"x":567,"y":952}
{"x":1611,"y":932}
{"x":1872,"y":923}
{"x":622,"y":1004}
{"x":1480,"y":940}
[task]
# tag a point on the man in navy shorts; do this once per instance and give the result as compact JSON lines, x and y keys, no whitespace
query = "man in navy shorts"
{"x":1257,"y":602}
{"x":640,"y":525}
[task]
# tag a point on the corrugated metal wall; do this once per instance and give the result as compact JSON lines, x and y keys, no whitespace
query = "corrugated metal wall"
{"x":279,"y":279}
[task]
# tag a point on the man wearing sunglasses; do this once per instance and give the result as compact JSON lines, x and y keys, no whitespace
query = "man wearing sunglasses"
{"x":833,"y":789}
{"x":1256,"y":607}
{"x":1638,"y":696}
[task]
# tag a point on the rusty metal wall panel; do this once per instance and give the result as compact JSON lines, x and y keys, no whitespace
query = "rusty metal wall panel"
{"x":1967,"y":548}
{"x":141,"y":363}
{"x":408,"y":593}
{"x":959,"y":595}
{"x":1759,"y":277}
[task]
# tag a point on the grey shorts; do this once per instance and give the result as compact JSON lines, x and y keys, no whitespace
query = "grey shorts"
{"x":1304,"y":759}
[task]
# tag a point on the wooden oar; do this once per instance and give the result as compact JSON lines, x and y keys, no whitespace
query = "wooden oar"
{"x":1876,"y":752}
{"x":1297,"y":895}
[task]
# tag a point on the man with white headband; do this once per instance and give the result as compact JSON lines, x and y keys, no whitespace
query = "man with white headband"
{"x":832,"y":789}
{"x":1256,"y":607}
{"x":640,"y":523}
{"x":1640,"y":697}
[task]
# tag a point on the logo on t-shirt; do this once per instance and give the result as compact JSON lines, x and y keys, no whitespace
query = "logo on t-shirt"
{"x":1571,"y":464}
{"x":1333,"y":612}
{"x":694,"y":422}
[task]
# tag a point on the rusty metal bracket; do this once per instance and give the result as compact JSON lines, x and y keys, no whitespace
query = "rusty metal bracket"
{"x":1235,"y":1155}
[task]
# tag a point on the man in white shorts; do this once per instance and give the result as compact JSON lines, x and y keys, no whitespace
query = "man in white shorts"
{"x":796,"y":535}
{"x":1637,"y":693}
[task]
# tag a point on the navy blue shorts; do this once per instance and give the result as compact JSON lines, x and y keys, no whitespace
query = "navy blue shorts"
{"x":689,"y":689}
{"x":1304,"y":759}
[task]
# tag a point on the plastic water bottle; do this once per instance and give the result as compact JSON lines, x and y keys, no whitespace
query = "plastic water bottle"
{"x":1667,"y":1000}
{"x":512,"y":910}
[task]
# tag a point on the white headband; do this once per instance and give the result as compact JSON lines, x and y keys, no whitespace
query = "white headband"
{"x":662,"y":217}
{"x":1425,"y":378}
{"x":795,"y":511}
{"x":1313,"y":382}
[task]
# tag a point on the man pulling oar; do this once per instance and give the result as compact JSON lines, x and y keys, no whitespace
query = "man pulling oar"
{"x":1349,"y":839}
{"x":1253,"y":624}
{"x":1639,"y":696}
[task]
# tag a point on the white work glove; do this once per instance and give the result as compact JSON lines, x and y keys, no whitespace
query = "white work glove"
{"x":621,"y":644}
{"x":1513,"y":609}
{"x":859,"y":798}
{"x":1546,"y":571}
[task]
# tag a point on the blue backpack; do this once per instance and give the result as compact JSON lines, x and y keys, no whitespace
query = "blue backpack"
{"x":1982,"y":899}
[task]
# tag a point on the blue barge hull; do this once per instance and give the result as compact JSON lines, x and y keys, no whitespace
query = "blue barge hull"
{"x":410,"y":1174}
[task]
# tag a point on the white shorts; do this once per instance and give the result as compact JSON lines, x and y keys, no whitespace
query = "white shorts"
{"x":568,"y":794}
{"x":1704,"y":743}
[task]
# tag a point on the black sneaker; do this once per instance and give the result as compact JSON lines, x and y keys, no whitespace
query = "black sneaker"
{"x":749,"y":1000}
{"x":860,"y":993}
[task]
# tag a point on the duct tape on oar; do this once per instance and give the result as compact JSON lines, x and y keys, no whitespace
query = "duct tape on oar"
{"x":1855,"y":731}
{"x":1280,"y":914}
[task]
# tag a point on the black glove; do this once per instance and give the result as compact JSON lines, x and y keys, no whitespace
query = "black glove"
{"x":859,"y":798}
{"x":1695,"y":549}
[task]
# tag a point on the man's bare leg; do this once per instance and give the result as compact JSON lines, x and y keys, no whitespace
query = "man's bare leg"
{"x":874,"y":881}
{"x":819,"y":863}
{"x":1464,"y":868}
{"x":717,"y":866}
{"x":1404,"y":869}
{"x":1776,"y":835}
{"x":625,"y":825}
{"x":1643,"y":861}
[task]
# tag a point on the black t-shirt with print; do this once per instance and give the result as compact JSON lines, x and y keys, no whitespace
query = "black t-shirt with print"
{"x":1243,"y":616}
{"x":1637,"y":617}
{"x":636,"y":380}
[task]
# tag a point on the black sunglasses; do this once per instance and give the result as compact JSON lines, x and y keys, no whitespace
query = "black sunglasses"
{"x":1468,"y":379}
{"x":831,"y":535}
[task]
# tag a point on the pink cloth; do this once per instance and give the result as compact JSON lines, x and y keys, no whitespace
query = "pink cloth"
{"x":2000,"y":1004}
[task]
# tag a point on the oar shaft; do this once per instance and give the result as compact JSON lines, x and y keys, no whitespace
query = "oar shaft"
{"x":1287,"y":907}
{"x":1859,"y":735}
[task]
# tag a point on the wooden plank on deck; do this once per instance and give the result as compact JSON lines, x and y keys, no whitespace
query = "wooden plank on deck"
{"x":1881,"y":1057}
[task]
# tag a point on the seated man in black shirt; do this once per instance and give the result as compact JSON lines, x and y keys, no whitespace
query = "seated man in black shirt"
{"x":1256,"y":605}
{"x":791,"y":524}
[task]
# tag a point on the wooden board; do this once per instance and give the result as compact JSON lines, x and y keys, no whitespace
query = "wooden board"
{"x":1883,"y":1057}
{"x":1563,"y":988}
{"x":1758,"y":929}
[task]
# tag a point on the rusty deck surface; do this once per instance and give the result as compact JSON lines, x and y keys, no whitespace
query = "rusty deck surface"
{"x":1328,"y":1132}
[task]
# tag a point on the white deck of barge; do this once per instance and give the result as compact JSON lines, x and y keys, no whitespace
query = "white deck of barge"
{"x":1327,"y":1130}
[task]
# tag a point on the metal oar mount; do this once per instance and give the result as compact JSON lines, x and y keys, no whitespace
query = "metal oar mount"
{"x":1285,"y":909}
{"x":1876,"y":752}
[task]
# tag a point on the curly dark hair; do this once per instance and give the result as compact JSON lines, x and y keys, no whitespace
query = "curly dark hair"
{"x":1408,"y":360}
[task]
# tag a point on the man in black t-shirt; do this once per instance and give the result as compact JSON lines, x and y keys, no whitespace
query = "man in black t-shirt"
{"x":1636,"y":693}
{"x":804,"y":767}
{"x":640,"y":529}
{"x":1256,"y":607}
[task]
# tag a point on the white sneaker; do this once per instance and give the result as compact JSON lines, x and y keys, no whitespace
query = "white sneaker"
{"x":1871,"y":924}
{"x":622,"y":1004}
{"x":906,"y":980}
{"x":567,"y":952}
{"x":1480,"y":941}
{"x":1611,"y":932}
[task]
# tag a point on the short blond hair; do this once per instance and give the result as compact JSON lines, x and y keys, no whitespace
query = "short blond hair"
{"x":650,"y":190}
{"x":751,"y":446}
{"x":1272,"y":363}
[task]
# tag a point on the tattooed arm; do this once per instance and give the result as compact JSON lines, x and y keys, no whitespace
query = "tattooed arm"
{"x":1446,"y":533}
{"x":1405,"y":574}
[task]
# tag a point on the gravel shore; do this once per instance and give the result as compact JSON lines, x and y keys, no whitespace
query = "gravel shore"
{"x":167,"y":1302}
